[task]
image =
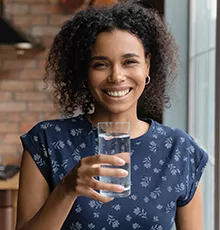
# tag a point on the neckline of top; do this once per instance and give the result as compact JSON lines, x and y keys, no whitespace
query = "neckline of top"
{"x":133,"y":140}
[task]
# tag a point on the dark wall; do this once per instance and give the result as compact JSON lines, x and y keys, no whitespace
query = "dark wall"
{"x":158,"y":4}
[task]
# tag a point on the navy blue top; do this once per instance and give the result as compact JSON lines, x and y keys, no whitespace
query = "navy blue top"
{"x":166,"y":165}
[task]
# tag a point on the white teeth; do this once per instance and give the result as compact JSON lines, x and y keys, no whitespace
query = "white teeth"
{"x":118,"y":93}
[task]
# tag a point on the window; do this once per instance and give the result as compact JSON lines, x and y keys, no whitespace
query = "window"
{"x":201,"y":110}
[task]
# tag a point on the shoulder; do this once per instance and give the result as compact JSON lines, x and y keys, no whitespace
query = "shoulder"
{"x":58,"y":125}
{"x":58,"y":130}
{"x":175,"y":135}
{"x":177,"y":142}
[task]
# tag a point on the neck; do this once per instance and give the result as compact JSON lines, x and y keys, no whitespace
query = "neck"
{"x":137,"y":126}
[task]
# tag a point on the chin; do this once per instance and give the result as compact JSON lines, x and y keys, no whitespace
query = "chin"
{"x":117,"y":110}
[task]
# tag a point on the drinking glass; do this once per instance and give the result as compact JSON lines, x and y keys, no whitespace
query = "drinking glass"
{"x":114,"y":139}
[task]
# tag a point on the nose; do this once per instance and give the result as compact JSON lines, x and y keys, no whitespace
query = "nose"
{"x":117,"y":75}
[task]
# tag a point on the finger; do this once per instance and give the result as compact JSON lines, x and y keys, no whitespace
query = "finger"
{"x":101,"y":198}
{"x":106,"y":171}
{"x":103,"y":159}
{"x":89,"y":192}
{"x":98,"y":185}
{"x":126,"y":156}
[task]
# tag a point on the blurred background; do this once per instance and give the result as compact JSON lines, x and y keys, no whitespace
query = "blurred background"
{"x":27,"y":29}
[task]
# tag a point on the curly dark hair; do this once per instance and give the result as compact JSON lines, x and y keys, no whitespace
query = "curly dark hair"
{"x":68,"y":59}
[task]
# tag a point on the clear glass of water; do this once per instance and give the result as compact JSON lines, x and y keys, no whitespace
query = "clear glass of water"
{"x":114,"y":139}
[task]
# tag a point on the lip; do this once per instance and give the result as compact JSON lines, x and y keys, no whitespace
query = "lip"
{"x":111,"y":98}
{"x":117,"y":88}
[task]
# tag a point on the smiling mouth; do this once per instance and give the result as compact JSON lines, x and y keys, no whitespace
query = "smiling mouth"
{"x":118,"y":93}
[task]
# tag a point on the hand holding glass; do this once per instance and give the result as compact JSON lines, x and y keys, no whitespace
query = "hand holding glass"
{"x":114,"y":139}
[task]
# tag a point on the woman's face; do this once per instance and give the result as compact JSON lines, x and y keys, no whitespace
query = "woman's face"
{"x":117,"y":71}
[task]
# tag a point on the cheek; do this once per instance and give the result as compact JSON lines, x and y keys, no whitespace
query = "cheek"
{"x":139,"y":76}
{"x":96,"y":79}
{"x":139,"y":71}
{"x":92,"y":80}
{"x":93,"y":84}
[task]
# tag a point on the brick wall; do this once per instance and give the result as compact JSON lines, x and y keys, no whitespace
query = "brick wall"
{"x":23,"y":101}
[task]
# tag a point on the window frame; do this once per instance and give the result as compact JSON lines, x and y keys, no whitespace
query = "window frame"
{"x":217,"y":124}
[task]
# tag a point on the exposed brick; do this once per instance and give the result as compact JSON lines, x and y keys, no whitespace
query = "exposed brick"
{"x":54,"y":1}
{"x":11,"y":138}
{"x":42,"y":9}
{"x":47,"y":41}
{"x":18,"y":64}
{"x":30,"y":1}
{"x":30,"y":20}
{"x":3,"y":117}
{"x":12,"y":158}
{"x":44,"y":53}
{"x":58,"y":19}
{"x":7,"y":52}
{"x":6,"y":74}
{"x":12,"y":85}
{"x":5,"y":96}
{"x":50,"y":96}
{"x":41,"y":63}
{"x":26,"y":126}
{"x":6,"y":127}
{"x":23,"y":99}
{"x":30,"y":54}
{"x":21,"y":116}
{"x":39,"y":106}
{"x":14,"y":117}
{"x":51,"y":115}
{"x":56,"y":9}
{"x":20,"y":149}
{"x":12,"y":106}
{"x":32,"y":74}
{"x":12,"y":53}
{"x":8,"y":1}
{"x":8,"y":149}
{"x":30,"y":96}
{"x":17,"y":9}
{"x":44,"y":30}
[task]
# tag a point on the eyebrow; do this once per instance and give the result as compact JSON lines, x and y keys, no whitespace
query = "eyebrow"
{"x":104,"y":58}
{"x":130,"y":55}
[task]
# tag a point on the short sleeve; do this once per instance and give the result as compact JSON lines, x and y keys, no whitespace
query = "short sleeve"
{"x":33,"y":142}
{"x":194,"y":165}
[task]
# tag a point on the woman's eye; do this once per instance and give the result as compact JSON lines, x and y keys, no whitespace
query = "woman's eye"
{"x":99,"y":65}
{"x":130,"y":62}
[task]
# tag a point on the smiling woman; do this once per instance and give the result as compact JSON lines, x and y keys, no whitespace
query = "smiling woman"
{"x":110,"y":61}
{"x":154,"y":37}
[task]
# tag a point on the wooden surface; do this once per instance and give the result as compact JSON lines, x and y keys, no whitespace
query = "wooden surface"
{"x":10,"y":184}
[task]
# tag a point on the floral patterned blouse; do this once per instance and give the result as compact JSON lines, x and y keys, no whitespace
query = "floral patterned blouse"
{"x":166,"y":165}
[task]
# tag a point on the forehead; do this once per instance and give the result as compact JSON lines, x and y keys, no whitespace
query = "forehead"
{"x":117,"y":41}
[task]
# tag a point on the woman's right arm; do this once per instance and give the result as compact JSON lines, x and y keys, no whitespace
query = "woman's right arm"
{"x":37,"y":207}
{"x":40,"y":209}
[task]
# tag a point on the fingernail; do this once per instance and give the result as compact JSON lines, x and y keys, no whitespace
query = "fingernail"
{"x":124,"y":172}
{"x":120,"y":188}
{"x":120,"y":161}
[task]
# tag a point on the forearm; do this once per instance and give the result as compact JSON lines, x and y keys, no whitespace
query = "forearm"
{"x":53,"y":213}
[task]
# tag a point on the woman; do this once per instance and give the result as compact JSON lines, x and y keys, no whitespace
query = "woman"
{"x":110,"y":62}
